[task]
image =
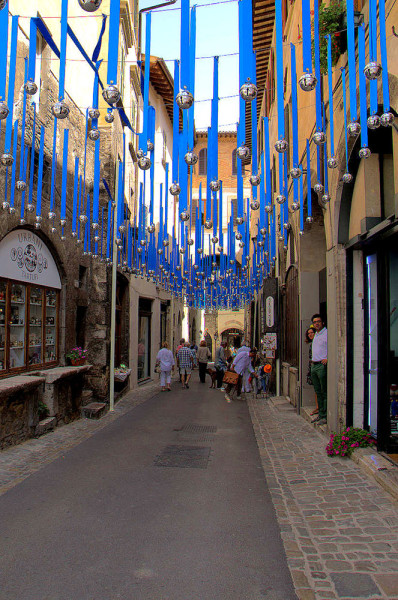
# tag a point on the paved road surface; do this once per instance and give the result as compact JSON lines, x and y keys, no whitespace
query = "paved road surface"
{"x":105,"y":521}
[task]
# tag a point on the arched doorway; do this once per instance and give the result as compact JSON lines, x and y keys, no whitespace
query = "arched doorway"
{"x":229,"y":336}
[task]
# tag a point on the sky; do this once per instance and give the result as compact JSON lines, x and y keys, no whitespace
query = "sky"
{"x":216,"y":35}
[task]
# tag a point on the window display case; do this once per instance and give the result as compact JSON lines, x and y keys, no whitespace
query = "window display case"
{"x":28,"y":326}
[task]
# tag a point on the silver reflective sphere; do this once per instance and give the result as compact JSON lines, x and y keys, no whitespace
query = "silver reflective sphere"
{"x":372,"y":70}
{"x":307,"y":82}
{"x":122,"y":228}
{"x":184,"y":99}
{"x":30,"y":207}
{"x":200,"y":250}
{"x":318,"y":188}
{"x":184,"y":215}
{"x":241,"y":244}
{"x":94,"y":135}
{"x":255,"y":180}
{"x":83,"y":219}
{"x":281,"y":146}
{"x":144,"y":163}
{"x":190,"y":242}
{"x":214,"y":239}
{"x":21,"y":185}
{"x":51,"y":215}
{"x":6,"y":205}
{"x":30,"y":88}
{"x":37,"y":225}
{"x":295,"y":173}
{"x":63,"y":222}
{"x":150,"y":145}
{"x":95,"y":225}
{"x":333,"y":162}
{"x":165,"y":243}
{"x":364,"y":153}
{"x":12,"y":210}
{"x":254,"y":205}
{"x":248,"y":91}
{"x":208,"y":224}
{"x":53,"y":230}
{"x":295,"y":206}
{"x":151,"y":228}
{"x":240,"y":220}
{"x":109,"y":117}
{"x":191,"y":158}
{"x":139,"y":250}
{"x":175,"y":189}
{"x":387,"y":119}
{"x":238,"y":236}
{"x":90,"y":5}
{"x":22,"y":221}
{"x":286,"y":226}
{"x":325,"y":198}
{"x":353,"y":129}
{"x":268,"y":208}
{"x":60,"y":110}
{"x":346,"y":178}
{"x":3,"y":4}
{"x":160,"y":251}
{"x":319,"y":138}
{"x":243,"y":152}
{"x":220,"y":249}
{"x":263,"y":231}
{"x":373,"y":121}
{"x":97,"y":238}
{"x":215,"y":185}
{"x":93,"y":113}
{"x":7,"y":159}
{"x":182,"y":250}
{"x":4,"y":111}
{"x":111,"y":94}
{"x":280,"y":198}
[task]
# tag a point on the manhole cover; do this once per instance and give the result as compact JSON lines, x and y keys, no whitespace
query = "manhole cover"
{"x":185,"y":457}
{"x":192,"y":428}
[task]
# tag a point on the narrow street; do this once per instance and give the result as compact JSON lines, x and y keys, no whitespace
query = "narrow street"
{"x":166,"y":499}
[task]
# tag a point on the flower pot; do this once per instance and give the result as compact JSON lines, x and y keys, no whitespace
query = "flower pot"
{"x":78,"y":362}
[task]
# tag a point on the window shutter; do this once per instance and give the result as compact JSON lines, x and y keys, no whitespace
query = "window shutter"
{"x":203,"y":161}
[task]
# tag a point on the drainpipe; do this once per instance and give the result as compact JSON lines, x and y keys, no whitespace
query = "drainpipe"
{"x":140,"y":20}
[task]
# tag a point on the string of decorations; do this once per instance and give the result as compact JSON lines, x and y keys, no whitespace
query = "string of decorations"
{"x":222,"y":259}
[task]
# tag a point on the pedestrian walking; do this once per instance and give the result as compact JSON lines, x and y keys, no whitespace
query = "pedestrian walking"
{"x":181,"y":344}
{"x":242,"y":364}
{"x":220,"y":364}
{"x":166,"y":362}
{"x":203,"y":355}
{"x":184,"y":358}
{"x":319,"y":367}
{"x":194,"y":349}
{"x":309,"y":336}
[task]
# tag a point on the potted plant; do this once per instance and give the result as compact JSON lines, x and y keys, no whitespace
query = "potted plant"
{"x":42,"y":410}
{"x":77,"y":356}
{"x":331,"y":22}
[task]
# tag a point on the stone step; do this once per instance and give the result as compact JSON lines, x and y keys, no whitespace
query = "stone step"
{"x":94,"y":410}
{"x":45,"y":426}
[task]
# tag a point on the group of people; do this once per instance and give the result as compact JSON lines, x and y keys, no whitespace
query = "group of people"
{"x":245,"y":362}
{"x":317,"y":338}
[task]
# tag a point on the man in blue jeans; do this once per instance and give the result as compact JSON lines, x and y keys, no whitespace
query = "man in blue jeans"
{"x":319,"y":367}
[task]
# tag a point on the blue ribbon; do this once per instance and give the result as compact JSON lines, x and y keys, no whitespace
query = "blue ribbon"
{"x":97,"y":48}
{"x":330,"y":89}
{"x":279,"y":68}
{"x":343,"y":83}
{"x":294,"y":105}
{"x":75,"y":194}
{"x":32,"y":50}
{"x":351,"y":60}
{"x":301,"y":200}
{"x":362,"y":86}
{"x":383,"y":53}
{"x":176,"y":123}
{"x":40,"y":174}
{"x":64,"y":173}
{"x":53,"y":167}
{"x":113,"y":45}
{"x":318,"y":94}
{"x":11,"y":82}
{"x":184,"y":54}
{"x":62,"y":58}
{"x":309,"y":197}
{"x":14,"y":165}
{"x":32,"y":155}
{"x":3,"y":50}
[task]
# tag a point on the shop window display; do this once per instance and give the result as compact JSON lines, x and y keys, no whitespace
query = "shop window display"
{"x":28,"y":326}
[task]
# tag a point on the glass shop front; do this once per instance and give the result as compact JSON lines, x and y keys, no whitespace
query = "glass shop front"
{"x":29,"y":304}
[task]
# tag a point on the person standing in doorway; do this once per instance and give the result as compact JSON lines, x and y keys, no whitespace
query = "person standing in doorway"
{"x":203,"y":356}
{"x":319,"y":367}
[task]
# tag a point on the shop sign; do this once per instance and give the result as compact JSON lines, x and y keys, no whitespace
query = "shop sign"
{"x":269,"y":311}
{"x":25,"y":257}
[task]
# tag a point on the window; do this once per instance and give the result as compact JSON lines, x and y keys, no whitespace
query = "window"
{"x":234,"y":163}
{"x":203,"y":161}
{"x":28,"y":326}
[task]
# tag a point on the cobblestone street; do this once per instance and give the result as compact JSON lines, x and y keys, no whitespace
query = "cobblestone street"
{"x":340,"y":529}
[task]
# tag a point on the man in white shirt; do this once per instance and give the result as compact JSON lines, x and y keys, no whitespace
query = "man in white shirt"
{"x":319,"y":367}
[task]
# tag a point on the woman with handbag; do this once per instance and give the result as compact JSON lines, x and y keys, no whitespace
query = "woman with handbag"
{"x":165,"y":364}
{"x":203,"y":355}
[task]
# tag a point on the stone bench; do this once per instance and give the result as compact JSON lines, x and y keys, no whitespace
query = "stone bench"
{"x":94,"y":410}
